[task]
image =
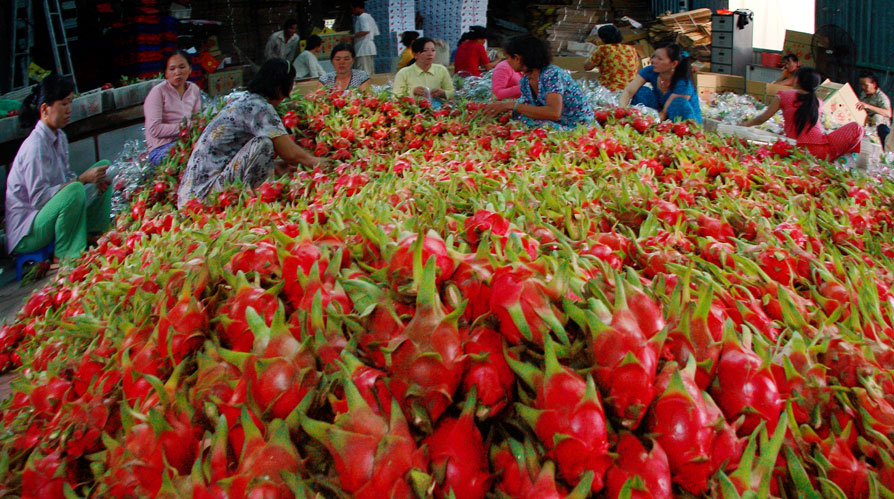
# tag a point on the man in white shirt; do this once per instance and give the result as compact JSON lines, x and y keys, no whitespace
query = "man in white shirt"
{"x":283,"y":44}
{"x":306,"y":64}
{"x":365,"y":30}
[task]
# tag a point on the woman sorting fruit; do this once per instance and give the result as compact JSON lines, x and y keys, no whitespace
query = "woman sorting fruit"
{"x":45,"y":201}
{"x":344,"y":77}
{"x":616,"y":62}
{"x":169,"y":106}
{"x":240,"y":142}
{"x":801,"y":112}
{"x":672,"y":91}
{"x":424,"y":78}
{"x":549,"y":97}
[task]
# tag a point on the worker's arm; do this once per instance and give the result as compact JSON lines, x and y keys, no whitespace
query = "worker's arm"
{"x":630,"y":90}
{"x":886,"y":112}
{"x":767,"y":114}
{"x":292,"y":153}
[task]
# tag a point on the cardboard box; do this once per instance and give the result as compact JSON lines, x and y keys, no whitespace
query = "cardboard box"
{"x":762,"y":91}
{"x":800,"y":44}
{"x":222,"y":82}
{"x":710,"y":84}
{"x":772,"y":90}
{"x":570,"y":63}
{"x":840,"y":103}
{"x":329,"y":42}
{"x":756,"y":89}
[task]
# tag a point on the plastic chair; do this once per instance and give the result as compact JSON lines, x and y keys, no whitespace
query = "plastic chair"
{"x":38,"y":256}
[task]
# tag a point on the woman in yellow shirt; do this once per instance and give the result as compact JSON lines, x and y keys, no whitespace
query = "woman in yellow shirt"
{"x":424,"y":78}
{"x":617,"y":63}
{"x":406,"y":39}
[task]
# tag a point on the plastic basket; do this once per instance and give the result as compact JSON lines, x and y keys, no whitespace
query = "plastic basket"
{"x":86,"y":105}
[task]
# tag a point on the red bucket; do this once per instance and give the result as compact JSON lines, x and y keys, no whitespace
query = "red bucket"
{"x":771,"y":59}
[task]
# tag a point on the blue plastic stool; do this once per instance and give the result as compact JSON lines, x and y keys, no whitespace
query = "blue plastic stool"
{"x":38,"y":256}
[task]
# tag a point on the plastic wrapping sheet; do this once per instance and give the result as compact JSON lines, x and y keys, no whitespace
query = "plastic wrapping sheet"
{"x":733,"y":109}
{"x":130,"y":170}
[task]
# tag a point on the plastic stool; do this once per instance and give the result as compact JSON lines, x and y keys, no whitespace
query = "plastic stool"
{"x":38,"y":256}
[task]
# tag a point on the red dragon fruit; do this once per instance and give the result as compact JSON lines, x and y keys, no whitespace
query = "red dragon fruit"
{"x":233,"y":326}
{"x":265,"y":461}
{"x":427,"y":363}
{"x":687,"y":429}
{"x":402,"y":263}
{"x":373,"y":456}
{"x":567,"y":417}
{"x":522,"y":476}
{"x":645,"y":472}
{"x":745,"y":386}
{"x":521,"y":300}
{"x":626,"y":358}
{"x":458,"y":456}
{"x":488,"y":371}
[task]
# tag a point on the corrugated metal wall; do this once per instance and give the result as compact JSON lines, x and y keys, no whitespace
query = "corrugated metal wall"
{"x":662,"y":6}
{"x":871,"y":24}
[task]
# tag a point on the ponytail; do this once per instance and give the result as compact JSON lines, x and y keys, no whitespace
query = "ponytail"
{"x":807,"y":114}
{"x":684,"y":67}
{"x":51,"y":89}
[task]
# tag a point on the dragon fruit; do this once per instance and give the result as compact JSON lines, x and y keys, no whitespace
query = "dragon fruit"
{"x":567,"y":417}
{"x":690,"y":430}
{"x":522,"y":302}
{"x":645,"y":472}
{"x":373,"y":456}
{"x":458,"y":456}
{"x":488,"y":371}
{"x":427,"y":363}
{"x":745,"y":386}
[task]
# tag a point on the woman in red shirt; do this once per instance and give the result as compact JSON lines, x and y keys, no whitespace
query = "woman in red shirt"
{"x":801,"y":111}
{"x":471,"y":56}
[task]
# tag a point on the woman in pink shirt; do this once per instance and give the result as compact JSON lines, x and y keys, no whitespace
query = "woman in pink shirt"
{"x":504,"y":82}
{"x":801,"y":112}
{"x":169,"y":104}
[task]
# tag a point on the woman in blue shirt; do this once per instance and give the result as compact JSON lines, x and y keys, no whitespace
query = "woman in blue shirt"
{"x":672,"y":94}
{"x":549,"y":96}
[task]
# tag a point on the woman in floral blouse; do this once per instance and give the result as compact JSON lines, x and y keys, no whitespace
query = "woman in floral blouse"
{"x":549,"y":97}
{"x":239,"y":143}
{"x":617,"y":63}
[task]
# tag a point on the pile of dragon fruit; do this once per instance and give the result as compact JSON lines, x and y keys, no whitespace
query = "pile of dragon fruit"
{"x":467,"y":308}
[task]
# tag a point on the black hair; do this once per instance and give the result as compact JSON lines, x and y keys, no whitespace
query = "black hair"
{"x":274,"y":80}
{"x":289,"y":23}
{"x":312,"y":42}
{"x":51,"y":89}
{"x":182,"y":53}
{"x":789,"y":57}
{"x":359,"y":4}
{"x":870,"y":75}
{"x":534,"y":52}
{"x":342,"y":47}
{"x":807,"y":113}
{"x":610,"y":34}
{"x":407,"y":37}
{"x":419,"y":44}
{"x":474,"y":34}
{"x":676,"y":53}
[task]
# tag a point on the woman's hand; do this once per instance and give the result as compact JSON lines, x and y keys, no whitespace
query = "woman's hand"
{"x":439,"y":93}
{"x":497,"y":108}
{"x":94,"y":175}
{"x":421,"y":91}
